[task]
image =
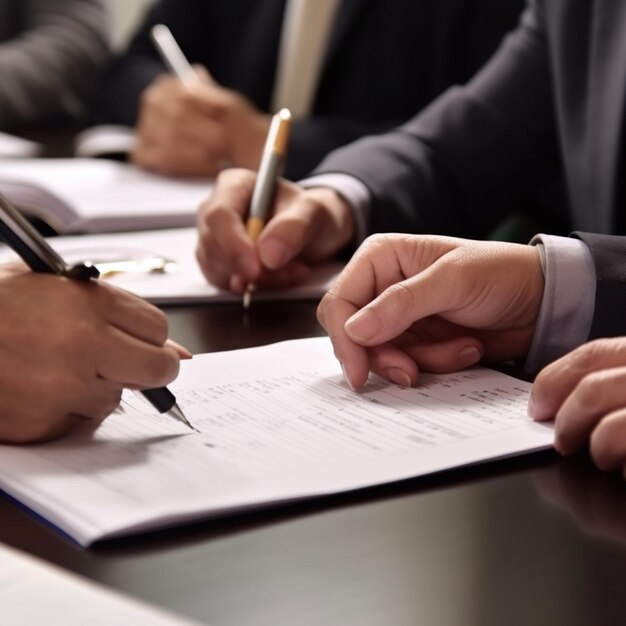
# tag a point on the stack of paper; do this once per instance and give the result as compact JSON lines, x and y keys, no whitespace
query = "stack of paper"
{"x":276,"y":424}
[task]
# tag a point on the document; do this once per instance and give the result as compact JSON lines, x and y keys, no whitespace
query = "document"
{"x":94,"y":195}
{"x":16,"y":147}
{"x":33,"y":593}
{"x":277,"y":424}
{"x":161,"y":266}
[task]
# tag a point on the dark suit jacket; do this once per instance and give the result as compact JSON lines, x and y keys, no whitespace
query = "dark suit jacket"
{"x":385,"y":60}
{"x":550,"y":103}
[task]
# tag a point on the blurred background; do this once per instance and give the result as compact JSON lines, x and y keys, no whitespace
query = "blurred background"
{"x":127,"y":15}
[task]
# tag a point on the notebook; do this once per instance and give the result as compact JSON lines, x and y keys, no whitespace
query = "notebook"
{"x":92,"y":195}
{"x":276,"y":424}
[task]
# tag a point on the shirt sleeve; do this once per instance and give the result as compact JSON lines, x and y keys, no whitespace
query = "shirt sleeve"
{"x":567,"y":307}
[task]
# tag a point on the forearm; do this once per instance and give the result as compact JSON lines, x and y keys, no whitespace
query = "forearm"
{"x":454,"y":168}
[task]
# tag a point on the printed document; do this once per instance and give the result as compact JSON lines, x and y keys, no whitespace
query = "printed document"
{"x":277,"y":423}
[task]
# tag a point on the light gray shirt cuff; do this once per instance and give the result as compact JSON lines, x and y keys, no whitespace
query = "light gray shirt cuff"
{"x":568,"y":301}
{"x":353,"y":191}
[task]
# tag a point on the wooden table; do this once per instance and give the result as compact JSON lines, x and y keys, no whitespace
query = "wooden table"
{"x":536,"y":540}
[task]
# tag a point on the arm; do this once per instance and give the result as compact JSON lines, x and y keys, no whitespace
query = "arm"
{"x":50,"y":67}
{"x":453,"y":168}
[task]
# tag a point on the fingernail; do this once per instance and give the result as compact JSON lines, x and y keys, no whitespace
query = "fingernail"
{"x":183,"y":352}
{"x":346,"y":375}
{"x":399,"y":377}
{"x":469,"y":356}
{"x":363,"y":325}
{"x":248,"y":266}
{"x":274,"y":253}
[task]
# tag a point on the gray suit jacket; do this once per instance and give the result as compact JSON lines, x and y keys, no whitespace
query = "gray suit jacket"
{"x":549,"y":105}
{"x":51,"y":52}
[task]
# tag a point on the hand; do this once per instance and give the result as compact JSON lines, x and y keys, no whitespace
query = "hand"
{"x":68,"y":349}
{"x":194,"y":130}
{"x":307,"y":226}
{"x":585,"y":393}
{"x":436,"y":303}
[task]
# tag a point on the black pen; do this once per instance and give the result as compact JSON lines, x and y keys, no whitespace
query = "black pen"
{"x":34,"y":250}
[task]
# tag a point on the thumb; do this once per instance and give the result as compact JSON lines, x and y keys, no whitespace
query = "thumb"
{"x":399,"y":306}
{"x":288,"y":234}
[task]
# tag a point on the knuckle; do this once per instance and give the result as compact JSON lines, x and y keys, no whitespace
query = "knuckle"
{"x":605,"y":443}
{"x":588,"y":391}
{"x":400,"y":297}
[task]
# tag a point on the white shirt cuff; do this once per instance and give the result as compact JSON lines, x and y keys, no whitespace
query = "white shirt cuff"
{"x":568,"y":301}
{"x":353,"y":191}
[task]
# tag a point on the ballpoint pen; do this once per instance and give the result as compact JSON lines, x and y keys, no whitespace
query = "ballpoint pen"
{"x":270,"y":168}
{"x":172,"y":55}
{"x":34,"y":250}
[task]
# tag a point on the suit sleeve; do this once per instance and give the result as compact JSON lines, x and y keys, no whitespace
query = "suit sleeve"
{"x":454,"y":168}
{"x":609,"y":258}
{"x":51,"y":68}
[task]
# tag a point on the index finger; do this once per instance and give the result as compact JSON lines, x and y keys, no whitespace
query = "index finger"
{"x":556,"y":381}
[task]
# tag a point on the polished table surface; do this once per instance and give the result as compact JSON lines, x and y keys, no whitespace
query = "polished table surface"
{"x":534,"y":540}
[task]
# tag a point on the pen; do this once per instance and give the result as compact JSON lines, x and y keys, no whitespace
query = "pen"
{"x":172,"y":55}
{"x":34,"y":250}
{"x":270,"y":168}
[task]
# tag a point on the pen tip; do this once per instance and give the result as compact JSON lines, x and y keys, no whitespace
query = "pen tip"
{"x":247,"y":299}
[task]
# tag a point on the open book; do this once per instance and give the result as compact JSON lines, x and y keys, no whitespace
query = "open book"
{"x":91,"y":195}
{"x":277,"y":424}
{"x":161,"y":266}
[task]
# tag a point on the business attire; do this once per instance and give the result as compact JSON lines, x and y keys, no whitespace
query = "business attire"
{"x":51,"y":52}
{"x":549,"y":104}
{"x":383,"y":60}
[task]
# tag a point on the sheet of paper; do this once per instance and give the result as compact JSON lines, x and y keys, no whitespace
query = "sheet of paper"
{"x":16,"y":147}
{"x":183,"y":282}
{"x":33,"y":592}
{"x":277,"y":423}
{"x":95,"y":195}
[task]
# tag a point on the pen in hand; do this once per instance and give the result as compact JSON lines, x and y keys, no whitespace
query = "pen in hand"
{"x":270,"y":168}
{"x":34,"y":250}
{"x":172,"y":55}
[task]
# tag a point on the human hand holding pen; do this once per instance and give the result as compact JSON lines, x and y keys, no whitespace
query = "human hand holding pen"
{"x":304,"y":227}
{"x":190,"y":125}
{"x":68,"y":348}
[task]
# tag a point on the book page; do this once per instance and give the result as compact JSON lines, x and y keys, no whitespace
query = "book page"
{"x":16,"y":147}
{"x":33,"y":592}
{"x":161,"y":267}
{"x":96,"y":195}
{"x":276,"y":423}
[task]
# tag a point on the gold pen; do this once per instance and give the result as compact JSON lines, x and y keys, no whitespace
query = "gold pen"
{"x":270,"y":168}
